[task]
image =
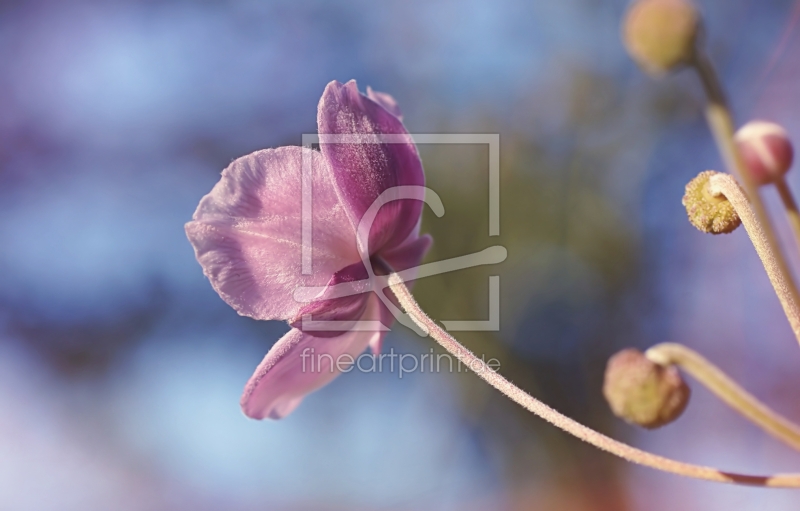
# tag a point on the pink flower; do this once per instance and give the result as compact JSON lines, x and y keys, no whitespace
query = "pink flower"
{"x":247,"y":236}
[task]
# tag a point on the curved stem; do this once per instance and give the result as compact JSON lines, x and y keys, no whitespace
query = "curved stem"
{"x":726,"y":389}
{"x":721,"y":123}
{"x":563,"y":422}
{"x":725,"y":184}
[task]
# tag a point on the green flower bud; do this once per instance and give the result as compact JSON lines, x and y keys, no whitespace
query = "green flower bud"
{"x":709,"y":213}
{"x":642,"y":392}
{"x":660,"y":35}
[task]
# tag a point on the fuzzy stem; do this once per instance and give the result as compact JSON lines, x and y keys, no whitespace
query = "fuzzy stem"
{"x":721,"y":123}
{"x":725,"y":185}
{"x":563,"y":422}
{"x":726,"y":389}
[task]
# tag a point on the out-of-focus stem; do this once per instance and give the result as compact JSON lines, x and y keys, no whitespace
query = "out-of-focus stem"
{"x":726,"y":389}
{"x":724,"y":184}
{"x":790,"y":205}
{"x":720,"y":122}
{"x":563,"y":422}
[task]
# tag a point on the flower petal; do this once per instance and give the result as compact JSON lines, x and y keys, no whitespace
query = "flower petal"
{"x":247,"y":232}
{"x":348,"y":308}
{"x":409,"y":255}
{"x":362,"y":168}
{"x":300,"y":363}
{"x":344,"y":309}
{"x":386,"y":101}
{"x":386,"y":318}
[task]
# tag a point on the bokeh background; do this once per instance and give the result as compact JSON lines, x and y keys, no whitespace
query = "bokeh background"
{"x":121,"y":369}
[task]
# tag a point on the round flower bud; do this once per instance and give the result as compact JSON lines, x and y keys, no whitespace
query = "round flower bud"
{"x":709,"y":213}
{"x":660,"y":35}
{"x":766,"y":149}
{"x":642,"y":392}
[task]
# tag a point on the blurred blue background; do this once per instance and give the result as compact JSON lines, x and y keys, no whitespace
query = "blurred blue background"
{"x":121,"y":369}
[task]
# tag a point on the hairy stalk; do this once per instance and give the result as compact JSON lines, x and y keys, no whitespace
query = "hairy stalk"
{"x":724,"y":184}
{"x":720,"y":122}
{"x":726,"y":389}
{"x":563,"y":422}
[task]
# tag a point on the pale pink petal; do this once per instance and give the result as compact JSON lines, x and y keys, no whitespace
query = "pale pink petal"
{"x":386,"y":101}
{"x":247,"y":232}
{"x":363,"y":169}
{"x":300,"y":363}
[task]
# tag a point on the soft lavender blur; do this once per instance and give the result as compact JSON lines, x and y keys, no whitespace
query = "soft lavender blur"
{"x":120,"y":368}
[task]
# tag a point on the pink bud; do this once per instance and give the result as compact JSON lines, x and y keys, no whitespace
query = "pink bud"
{"x":766,"y":149}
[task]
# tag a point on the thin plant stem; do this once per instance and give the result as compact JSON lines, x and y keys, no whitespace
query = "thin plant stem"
{"x":721,"y":123}
{"x":724,"y":184}
{"x":726,"y":389}
{"x":790,"y":205}
{"x":563,"y":422}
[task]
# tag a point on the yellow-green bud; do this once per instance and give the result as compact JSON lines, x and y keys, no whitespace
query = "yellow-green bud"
{"x":707,"y":212}
{"x":661,"y":35}
{"x":642,"y":392}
